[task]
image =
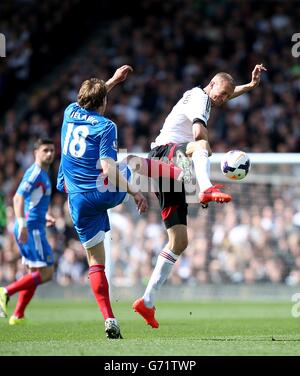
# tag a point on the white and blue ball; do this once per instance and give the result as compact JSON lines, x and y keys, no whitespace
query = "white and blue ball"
{"x":235,"y":164}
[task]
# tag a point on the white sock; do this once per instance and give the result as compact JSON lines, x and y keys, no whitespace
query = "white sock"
{"x":202,"y":169}
{"x":161,"y":272}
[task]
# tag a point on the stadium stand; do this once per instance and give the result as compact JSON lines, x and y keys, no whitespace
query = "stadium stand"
{"x":170,"y":52}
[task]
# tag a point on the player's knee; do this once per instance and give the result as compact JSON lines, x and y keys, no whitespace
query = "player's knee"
{"x":47,"y":274}
{"x":134,"y":162}
{"x":179,"y":245}
{"x":199,"y":145}
{"x":203,"y":145}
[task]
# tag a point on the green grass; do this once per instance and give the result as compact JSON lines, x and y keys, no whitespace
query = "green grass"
{"x":186,"y":328}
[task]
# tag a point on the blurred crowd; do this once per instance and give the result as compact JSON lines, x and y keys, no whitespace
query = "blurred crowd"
{"x":238,"y":243}
{"x":31,"y":30}
{"x":172,"y":46}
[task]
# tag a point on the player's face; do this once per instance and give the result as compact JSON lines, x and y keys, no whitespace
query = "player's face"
{"x":220,"y":92}
{"x":45,"y":154}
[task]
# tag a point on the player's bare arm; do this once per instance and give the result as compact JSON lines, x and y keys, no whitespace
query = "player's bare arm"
{"x":119,"y":76}
{"x":256,"y":75}
{"x":109,"y":168}
{"x":200,"y":132}
{"x":18,"y":203}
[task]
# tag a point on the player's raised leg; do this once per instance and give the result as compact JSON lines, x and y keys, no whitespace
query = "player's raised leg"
{"x":155,"y":168}
{"x":199,"y":151}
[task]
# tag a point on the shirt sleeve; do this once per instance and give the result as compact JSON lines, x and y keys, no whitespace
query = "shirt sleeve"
{"x":196,"y":106}
{"x":109,"y":142}
{"x":60,"y":183}
{"x":29,"y":182}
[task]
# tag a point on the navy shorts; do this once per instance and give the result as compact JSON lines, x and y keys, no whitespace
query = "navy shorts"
{"x":171,"y":194}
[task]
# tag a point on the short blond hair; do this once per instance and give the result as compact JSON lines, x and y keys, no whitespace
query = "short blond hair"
{"x":91,"y":94}
{"x":223,"y":76}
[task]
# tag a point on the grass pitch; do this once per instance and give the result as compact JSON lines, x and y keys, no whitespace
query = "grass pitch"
{"x":59,"y":327}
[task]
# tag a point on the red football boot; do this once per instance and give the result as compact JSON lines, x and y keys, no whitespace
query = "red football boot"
{"x":214,"y":194}
{"x":145,"y":312}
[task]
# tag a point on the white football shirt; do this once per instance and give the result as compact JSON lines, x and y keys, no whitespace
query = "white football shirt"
{"x":178,"y":126}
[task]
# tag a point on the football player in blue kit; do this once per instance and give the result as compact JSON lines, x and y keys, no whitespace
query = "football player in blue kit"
{"x":31,"y":203}
{"x":94,"y":181}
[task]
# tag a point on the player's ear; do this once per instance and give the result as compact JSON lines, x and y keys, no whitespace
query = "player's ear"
{"x":211,"y":84}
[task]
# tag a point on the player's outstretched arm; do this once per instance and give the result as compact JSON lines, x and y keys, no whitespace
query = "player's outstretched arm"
{"x":256,"y":74}
{"x":119,"y":76}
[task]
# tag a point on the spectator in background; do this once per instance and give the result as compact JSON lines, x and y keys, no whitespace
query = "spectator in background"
{"x":70,"y":269}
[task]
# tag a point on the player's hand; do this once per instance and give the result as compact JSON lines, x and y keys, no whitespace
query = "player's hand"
{"x":23,"y":235}
{"x":50,"y":221}
{"x":141,"y":202}
{"x":256,"y":74}
{"x":121,"y":73}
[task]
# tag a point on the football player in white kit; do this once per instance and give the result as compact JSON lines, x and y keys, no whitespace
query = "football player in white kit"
{"x":184,"y":137}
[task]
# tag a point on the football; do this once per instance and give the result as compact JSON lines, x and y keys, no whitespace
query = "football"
{"x":235,"y":164}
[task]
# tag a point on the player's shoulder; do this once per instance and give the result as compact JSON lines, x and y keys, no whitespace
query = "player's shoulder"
{"x":106,"y":123}
{"x":30,"y":177}
{"x":198,"y":91}
{"x":195,"y":92}
{"x":192,"y":96}
{"x":71,"y":107}
{"x":32,"y":172}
